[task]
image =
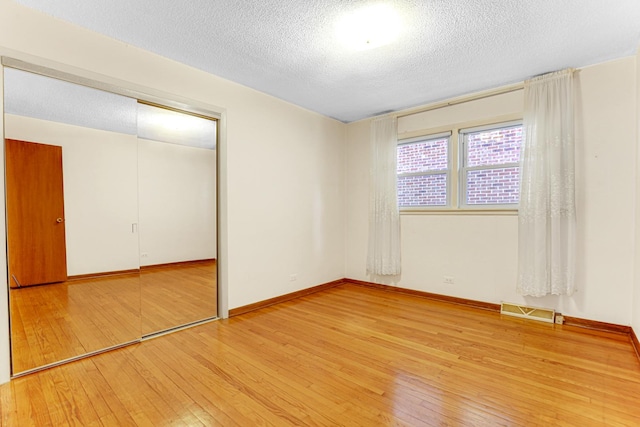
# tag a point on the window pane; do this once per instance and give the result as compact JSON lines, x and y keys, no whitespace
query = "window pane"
{"x":423,"y":156}
{"x":422,"y":190}
{"x":493,"y":186}
{"x":494,"y":147}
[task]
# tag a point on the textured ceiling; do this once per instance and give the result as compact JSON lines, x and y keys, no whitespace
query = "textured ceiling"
{"x":45,"y":98}
{"x":31,"y":95}
{"x":289,"y":48}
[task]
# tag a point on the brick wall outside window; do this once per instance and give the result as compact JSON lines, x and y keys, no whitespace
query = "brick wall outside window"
{"x":493,"y":186}
{"x":497,"y":186}
{"x":422,"y":190}
{"x":490,"y":184}
{"x":423,"y":156}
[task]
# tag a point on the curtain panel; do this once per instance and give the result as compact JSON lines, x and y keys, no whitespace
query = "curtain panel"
{"x":383,"y":258}
{"x":547,"y":217}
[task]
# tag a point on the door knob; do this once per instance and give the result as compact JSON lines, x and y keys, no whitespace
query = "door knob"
{"x":59,"y":220}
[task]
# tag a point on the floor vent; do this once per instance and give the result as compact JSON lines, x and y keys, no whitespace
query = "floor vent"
{"x":534,"y":313}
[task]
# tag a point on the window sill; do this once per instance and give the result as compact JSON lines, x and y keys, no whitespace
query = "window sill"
{"x":459,"y":211}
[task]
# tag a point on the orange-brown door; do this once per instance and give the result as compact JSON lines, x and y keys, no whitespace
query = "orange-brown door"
{"x":35,"y":214}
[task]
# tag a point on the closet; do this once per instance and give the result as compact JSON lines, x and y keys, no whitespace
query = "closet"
{"x":134,"y":220}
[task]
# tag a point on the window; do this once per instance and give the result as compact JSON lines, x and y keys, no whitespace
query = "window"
{"x":423,"y":171}
{"x":490,"y":172}
{"x":486,"y":159}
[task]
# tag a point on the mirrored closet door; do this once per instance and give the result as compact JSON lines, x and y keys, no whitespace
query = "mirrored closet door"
{"x":177,"y":211}
{"x":91,"y":197}
{"x":92,"y":301}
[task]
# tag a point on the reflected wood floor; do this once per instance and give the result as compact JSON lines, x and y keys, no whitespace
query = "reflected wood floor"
{"x":58,"y":321}
{"x":351,"y":356}
{"x":177,"y":294}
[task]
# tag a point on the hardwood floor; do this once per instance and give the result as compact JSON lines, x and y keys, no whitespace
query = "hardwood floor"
{"x":59,"y":321}
{"x":177,"y":294}
{"x":54,"y":322}
{"x":349,"y":355}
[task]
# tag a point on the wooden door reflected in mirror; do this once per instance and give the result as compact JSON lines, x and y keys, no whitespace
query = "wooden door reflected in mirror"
{"x":35,"y":214}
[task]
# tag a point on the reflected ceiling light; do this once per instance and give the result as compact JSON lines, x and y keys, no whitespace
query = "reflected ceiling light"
{"x":369,"y":27}
{"x":161,"y":124}
{"x":174,"y":122}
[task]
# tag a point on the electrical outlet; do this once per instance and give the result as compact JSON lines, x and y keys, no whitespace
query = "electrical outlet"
{"x":144,"y":255}
{"x":559,"y":319}
{"x":293,"y":277}
{"x":448,"y":280}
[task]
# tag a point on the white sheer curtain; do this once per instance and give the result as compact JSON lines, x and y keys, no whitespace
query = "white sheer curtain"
{"x":547,"y":217}
{"x":383,"y":258}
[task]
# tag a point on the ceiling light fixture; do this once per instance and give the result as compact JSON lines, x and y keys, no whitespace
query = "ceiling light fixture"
{"x":369,"y":27}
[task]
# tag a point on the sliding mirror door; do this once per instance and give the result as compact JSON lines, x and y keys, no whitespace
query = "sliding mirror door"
{"x":72,"y":220}
{"x":177,"y":206}
{"x":111,"y":219}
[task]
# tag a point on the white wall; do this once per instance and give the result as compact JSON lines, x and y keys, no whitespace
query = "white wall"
{"x":480,"y":251}
{"x":100,"y":192}
{"x":282,"y":167}
{"x":112,"y":180}
{"x":502,"y":107}
{"x":177,"y":202}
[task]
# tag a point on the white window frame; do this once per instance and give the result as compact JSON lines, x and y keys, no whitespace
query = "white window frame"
{"x":463,"y":169}
{"x":448,"y":171}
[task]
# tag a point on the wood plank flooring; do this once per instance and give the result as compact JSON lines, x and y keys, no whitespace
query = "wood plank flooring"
{"x":177,"y":294}
{"x":351,"y":356}
{"x":58,"y":321}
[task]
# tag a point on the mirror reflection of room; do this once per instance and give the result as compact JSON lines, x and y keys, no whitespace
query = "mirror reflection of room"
{"x":92,"y":301}
{"x":75,"y":253}
{"x":177,"y":212}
